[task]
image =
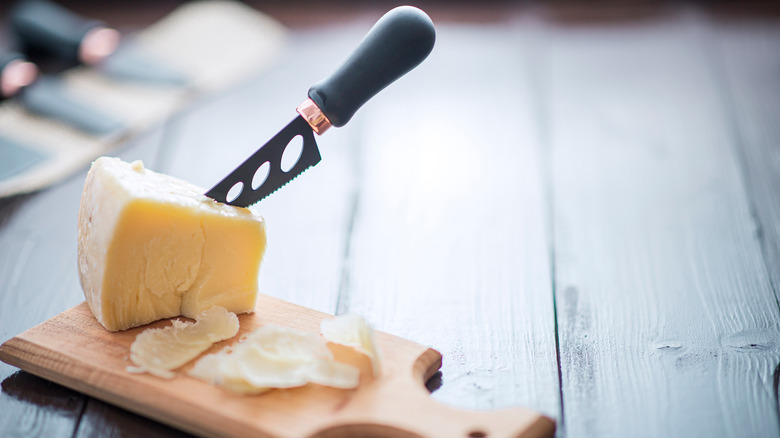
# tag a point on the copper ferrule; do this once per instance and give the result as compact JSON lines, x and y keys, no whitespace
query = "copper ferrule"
{"x":16,"y":75}
{"x":314,"y":116}
{"x":97,"y":44}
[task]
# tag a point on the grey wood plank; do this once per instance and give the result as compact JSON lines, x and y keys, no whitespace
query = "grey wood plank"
{"x":307,"y":219}
{"x":668,"y":324}
{"x":31,"y":406}
{"x":449,"y":246}
{"x":38,"y":279}
{"x":102,"y":420}
{"x":745,"y":52}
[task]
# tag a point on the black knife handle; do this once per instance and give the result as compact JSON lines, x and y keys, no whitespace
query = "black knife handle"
{"x":7,"y":57}
{"x":397,"y":43}
{"x":45,"y":29}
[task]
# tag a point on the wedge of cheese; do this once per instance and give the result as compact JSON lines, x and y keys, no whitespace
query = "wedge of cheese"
{"x":151,"y":246}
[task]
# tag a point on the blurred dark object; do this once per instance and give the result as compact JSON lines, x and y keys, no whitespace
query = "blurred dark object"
{"x":43,"y":30}
{"x":57,"y":39}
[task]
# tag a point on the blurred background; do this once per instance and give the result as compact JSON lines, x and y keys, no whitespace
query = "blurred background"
{"x":130,"y":14}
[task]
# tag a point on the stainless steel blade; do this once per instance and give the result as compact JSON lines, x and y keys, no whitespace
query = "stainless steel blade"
{"x":241,"y":179}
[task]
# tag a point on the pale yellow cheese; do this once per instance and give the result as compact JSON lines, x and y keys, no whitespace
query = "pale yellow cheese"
{"x":159,"y":350}
{"x":275,"y":357}
{"x":353,"y":331}
{"x":151,"y":246}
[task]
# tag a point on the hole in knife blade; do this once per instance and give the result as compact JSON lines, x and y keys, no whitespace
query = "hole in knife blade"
{"x":234,"y":192}
{"x":261,"y":174}
{"x":292,"y":153}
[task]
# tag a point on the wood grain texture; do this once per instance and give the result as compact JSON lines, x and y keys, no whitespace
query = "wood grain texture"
{"x":75,"y":350}
{"x":32,"y":406}
{"x":38,"y":279}
{"x":745,"y":56}
{"x":668,"y":323}
{"x":103,"y":420}
{"x":449,"y":245}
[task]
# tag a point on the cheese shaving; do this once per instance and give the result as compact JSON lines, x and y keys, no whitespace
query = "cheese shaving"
{"x":353,"y":331}
{"x":275,"y":357}
{"x":161,"y":350}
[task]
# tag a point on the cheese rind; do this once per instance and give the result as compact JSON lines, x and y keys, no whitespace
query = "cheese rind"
{"x":152,"y":246}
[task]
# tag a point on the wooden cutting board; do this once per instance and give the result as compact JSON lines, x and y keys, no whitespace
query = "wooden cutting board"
{"x":74,"y":350}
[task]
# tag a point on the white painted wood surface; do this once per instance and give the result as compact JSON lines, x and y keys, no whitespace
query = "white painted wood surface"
{"x":668,"y":323}
{"x":450,"y":245}
{"x":747,"y":61}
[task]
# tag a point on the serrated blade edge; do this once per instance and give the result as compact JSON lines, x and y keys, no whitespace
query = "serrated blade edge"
{"x":271,"y":153}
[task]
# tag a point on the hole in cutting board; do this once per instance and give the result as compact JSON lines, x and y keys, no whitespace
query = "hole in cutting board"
{"x":365,"y":430}
{"x":434,"y":383}
{"x":477,"y":434}
{"x":292,"y":153}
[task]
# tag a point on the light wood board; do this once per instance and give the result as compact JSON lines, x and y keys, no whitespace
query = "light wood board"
{"x":74,"y":350}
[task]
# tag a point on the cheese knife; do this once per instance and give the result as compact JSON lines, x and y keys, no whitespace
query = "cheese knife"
{"x":47,"y":32}
{"x":46,"y":96}
{"x":397,"y":43}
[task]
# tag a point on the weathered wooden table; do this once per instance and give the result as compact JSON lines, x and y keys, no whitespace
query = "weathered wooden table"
{"x":583,"y":216}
